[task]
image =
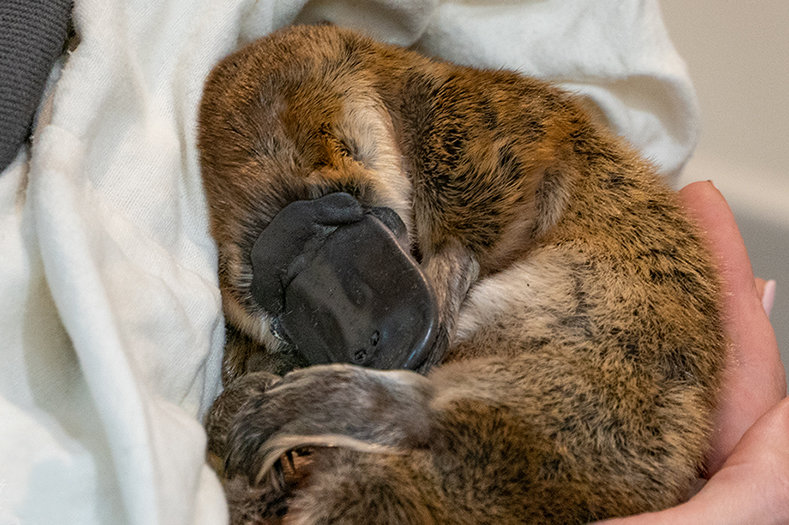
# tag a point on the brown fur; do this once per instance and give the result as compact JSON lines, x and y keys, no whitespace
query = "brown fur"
{"x":582,"y":340}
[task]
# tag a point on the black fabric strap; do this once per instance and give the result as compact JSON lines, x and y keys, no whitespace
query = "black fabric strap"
{"x":32,"y":33}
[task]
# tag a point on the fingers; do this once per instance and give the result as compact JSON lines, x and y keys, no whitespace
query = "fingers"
{"x":708,"y":207}
{"x":760,"y":284}
{"x":768,"y":296}
{"x":766,"y":292}
{"x":754,"y":379}
{"x":751,"y":438}
{"x":751,"y":486}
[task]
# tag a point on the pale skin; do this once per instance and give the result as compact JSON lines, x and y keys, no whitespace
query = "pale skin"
{"x":748,"y":466}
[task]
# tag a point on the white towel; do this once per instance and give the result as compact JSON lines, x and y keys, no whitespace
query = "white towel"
{"x":110,"y":318}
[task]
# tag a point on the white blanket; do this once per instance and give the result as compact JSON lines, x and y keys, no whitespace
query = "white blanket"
{"x":110,"y":319}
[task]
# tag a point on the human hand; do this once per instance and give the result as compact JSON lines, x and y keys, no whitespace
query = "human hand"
{"x":748,"y":466}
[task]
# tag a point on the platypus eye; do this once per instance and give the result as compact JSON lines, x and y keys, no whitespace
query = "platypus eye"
{"x":350,"y":148}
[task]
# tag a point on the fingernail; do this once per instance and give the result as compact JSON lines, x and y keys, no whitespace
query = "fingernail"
{"x":768,"y":297}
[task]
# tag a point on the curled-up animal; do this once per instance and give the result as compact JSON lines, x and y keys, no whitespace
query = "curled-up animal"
{"x":567,"y":349}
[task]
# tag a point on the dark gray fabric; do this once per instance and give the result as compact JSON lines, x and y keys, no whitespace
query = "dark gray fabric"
{"x":32,"y":33}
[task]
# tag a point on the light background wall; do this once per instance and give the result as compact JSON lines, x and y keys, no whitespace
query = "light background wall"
{"x":738,"y":56}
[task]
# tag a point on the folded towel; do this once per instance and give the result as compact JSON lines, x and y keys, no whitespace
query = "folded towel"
{"x":110,"y":313}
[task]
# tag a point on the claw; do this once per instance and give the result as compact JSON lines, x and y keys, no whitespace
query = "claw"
{"x":289,"y":455}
